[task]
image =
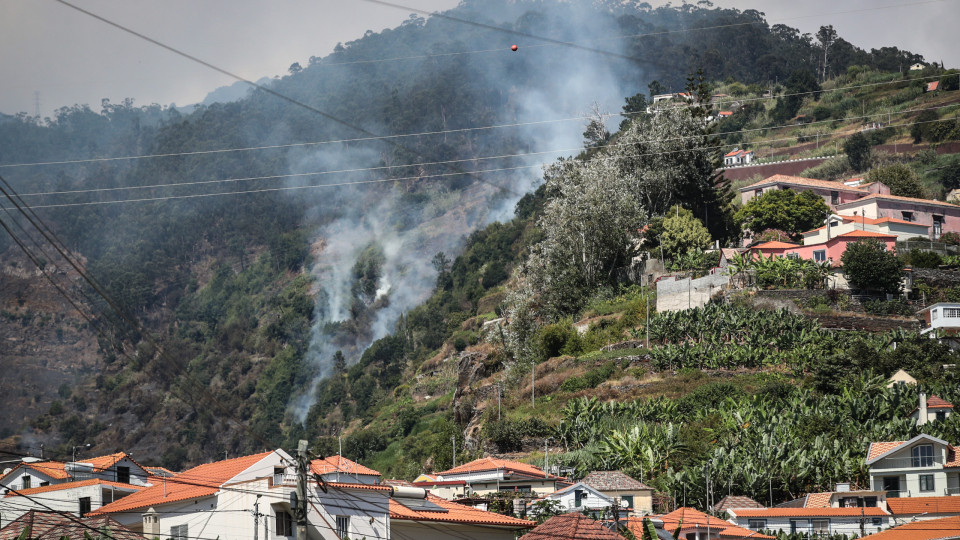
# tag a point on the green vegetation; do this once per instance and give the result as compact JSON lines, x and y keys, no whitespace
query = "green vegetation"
{"x":786,"y":210}
{"x":868,"y":265}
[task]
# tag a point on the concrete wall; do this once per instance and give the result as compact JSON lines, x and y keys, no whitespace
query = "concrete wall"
{"x":838,"y":525}
{"x":414,"y":530}
{"x":674,"y":293}
{"x":65,"y":500}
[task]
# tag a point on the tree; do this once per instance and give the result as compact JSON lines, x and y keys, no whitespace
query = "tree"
{"x":827,"y":36}
{"x":783,"y":209}
{"x":801,"y":84}
{"x":858,"y":151}
{"x":295,"y":68}
{"x":900,"y":178}
{"x":920,"y":129}
{"x":868,"y":265}
{"x":339,"y":363}
{"x":683,"y":233}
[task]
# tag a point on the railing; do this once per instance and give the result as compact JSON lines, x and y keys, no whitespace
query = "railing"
{"x":896,"y":494}
{"x":952,"y":491}
{"x":909,"y":463}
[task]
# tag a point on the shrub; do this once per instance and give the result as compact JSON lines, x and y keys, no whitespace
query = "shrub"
{"x":883,"y":307}
{"x":868,"y":265}
{"x":950,"y":238}
{"x":923,"y":259}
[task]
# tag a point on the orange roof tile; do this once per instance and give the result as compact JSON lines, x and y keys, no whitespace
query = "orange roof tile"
{"x":43,"y":524}
{"x":931,"y":529}
{"x":803,"y":182}
{"x":920,"y":505}
{"x":574,"y":526}
{"x":740,"y":532}
{"x":69,"y":485}
{"x":53,"y":469}
{"x":933,"y":86}
{"x":370,"y":487}
{"x":736,"y":501}
{"x":456,"y":513}
{"x":809,"y":512}
{"x":200,"y":481}
{"x":493,"y":464}
{"x":934,"y":402}
{"x":692,"y":518}
{"x":339,"y":463}
{"x":877,"y":449}
{"x":775,"y":245}
{"x":875,"y":196}
{"x":864,"y":234}
{"x":818,"y":500}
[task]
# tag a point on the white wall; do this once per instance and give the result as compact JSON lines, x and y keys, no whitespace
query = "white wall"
{"x":414,"y":530}
{"x":592,"y":500}
{"x":678,"y":294}
{"x":61,"y":500}
{"x":838,"y":525}
{"x":14,"y":479}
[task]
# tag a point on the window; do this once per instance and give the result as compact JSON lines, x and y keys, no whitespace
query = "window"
{"x":123,"y":475}
{"x":284,"y":523}
{"x":277,"y":476}
{"x":820,"y":255}
{"x":933,"y":314}
{"x":907,"y":216}
{"x":937,"y":227}
{"x":758,"y":193}
{"x":178,"y":532}
{"x":922,"y":455}
{"x":628,"y":500}
{"x":343,"y":526}
{"x":870,"y":502}
{"x":84,"y":506}
{"x":578,"y":498}
{"x":834,"y":198}
{"x":941,"y":416}
{"x":757,"y":524}
{"x":26,"y":482}
{"x":926,"y":482}
{"x":876,"y":522}
{"x":523,"y":489}
{"x":820,"y":526}
{"x":798,"y":525}
{"x":794,"y":256}
{"x":951,"y":313}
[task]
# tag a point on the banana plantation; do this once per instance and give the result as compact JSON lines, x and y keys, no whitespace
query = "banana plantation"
{"x":773,"y":446}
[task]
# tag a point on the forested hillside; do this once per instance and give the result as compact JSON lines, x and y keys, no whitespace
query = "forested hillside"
{"x":279,"y":307}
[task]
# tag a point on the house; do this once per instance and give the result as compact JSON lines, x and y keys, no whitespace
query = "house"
{"x":910,"y":509}
{"x":46,"y":524}
{"x":727,"y":255}
{"x":340,"y":469}
{"x":917,"y":67}
{"x":579,"y":497}
{"x":737,"y":156}
{"x":830,"y":250}
{"x":842,"y":497}
{"x":119,"y":467}
{"x":836,"y":224}
{"x":735,"y":501}
{"x":901,"y":377}
{"x":921,"y":467}
{"x":227,"y":499}
{"x":933,"y":409}
{"x":725,"y":114}
{"x":820,"y":521}
{"x":616,"y":485}
{"x":450,"y":490}
{"x":943,"y":317}
{"x":833,"y":193}
{"x":937,"y":529}
{"x":939,"y":216}
{"x":491,"y":475}
{"x":571,"y":527}
{"x":695,"y":525}
{"x":77,"y":498}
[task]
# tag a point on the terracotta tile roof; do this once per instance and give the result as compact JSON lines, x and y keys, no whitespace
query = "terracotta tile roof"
{"x":45,"y":524}
{"x":775,"y":245}
{"x":726,"y":113}
{"x":803,"y":182}
{"x":613,"y":481}
{"x":934,"y":402}
{"x":691,"y":518}
{"x":493,"y":464}
{"x":200,"y":481}
{"x":870,"y":221}
{"x":440,"y":483}
{"x":339,"y":463}
{"x":864,"y":234}
{"x":70,"y":485}
{"x":818,"y":500}
{"x":369,"y":487}
{"x":53,"y":469}
{"x":740,"y":532}
{"x":810,"y":512}
{"x":574,"y":526}
{"x":933,"y":86}
{"x":875,"y":196}
{"x":877,"y":449}
{"x":160,"y":471}
{"x":736,"y":501}
{"x":920,"y":505}
{"x":455,"y":513}
{"x":931,"y":529}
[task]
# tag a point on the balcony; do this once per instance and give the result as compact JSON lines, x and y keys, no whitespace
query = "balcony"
{"x":924,"y":462}
{"x":952,"y":491}
{"x":896,"y":494}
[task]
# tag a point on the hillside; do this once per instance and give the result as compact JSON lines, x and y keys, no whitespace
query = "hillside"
{"x":266,"y":308}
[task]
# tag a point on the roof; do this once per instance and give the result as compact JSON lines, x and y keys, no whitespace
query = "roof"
{"x":200,"y":481}
{"x":739,"y":532}
{"x":339,"y":463}
{"x":427,"y":483}
{"x":810,"y":512}
{"x":934,"y":402}
{"x":863,"y":234}
{"x":160,"y":471}
{"x":818,"y":500}
{"x":736,"y":501}
{"x":455,"y":513}
{"x":70,"y":485}
{"x":875,"y":196}
{"x":775,"y":245}
{"x":726,"y":113}
{"x":43,"y":524}
{"x":931,"y":529}
{"x":870,"y":221}
{"x":494,"y":464}
{"x":932,"y":86}
{"x":691,"y":517}
{"x":57,"y":470}
{"x":613,"y":481}
{"x":924,"y":505}
{"x":877,"y":450}
{"x":803,"y":182}
{"x":574,"y":526}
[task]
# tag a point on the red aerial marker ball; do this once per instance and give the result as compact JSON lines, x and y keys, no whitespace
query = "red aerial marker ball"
{"x":513,"y":47}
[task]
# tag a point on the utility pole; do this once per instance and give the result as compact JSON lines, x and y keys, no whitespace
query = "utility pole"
{"x":256,"y":516}
{"x":453,"y":444}
{"x":533,"y":383}
{"x":303,"y":463}
{"x":646,"y":322}
{"x":498,"y":401}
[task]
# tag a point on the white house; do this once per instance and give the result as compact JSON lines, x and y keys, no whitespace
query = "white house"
{"x":78,"y":498}
{"x":924,"y":466}
{"x":943,"y":317}
{"x":579,"y":497}
{"x":932,"y":409}
{"x":119,"y":467}
{"x":821,"y":521}
{"x":490,"y":475}
{"x":232,"y":499}
{"x":632,"y":493}
{"x":911,"y":509}
{"x":738,"y":157}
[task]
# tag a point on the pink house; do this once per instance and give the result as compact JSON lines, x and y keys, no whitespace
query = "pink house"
{"x":833,"y":193}
{"x":937,"y":215}
{"x":830,"y":250}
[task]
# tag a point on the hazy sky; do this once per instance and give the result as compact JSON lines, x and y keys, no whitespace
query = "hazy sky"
{"x":71,"y":58}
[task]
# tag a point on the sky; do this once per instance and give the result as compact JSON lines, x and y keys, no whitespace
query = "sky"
{"x":64,"y":57}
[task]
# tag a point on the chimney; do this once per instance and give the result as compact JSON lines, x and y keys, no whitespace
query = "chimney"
{"x":922,"y":419}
